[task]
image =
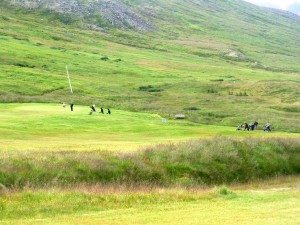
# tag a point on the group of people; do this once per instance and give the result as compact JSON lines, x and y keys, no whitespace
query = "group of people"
{"x":93,"y":108}
{"x":251,"y":126}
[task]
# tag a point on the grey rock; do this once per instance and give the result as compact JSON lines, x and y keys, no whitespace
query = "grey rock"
{"x":114,"y":12}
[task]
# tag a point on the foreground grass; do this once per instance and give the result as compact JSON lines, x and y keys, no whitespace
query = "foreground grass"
{"x":272,"y":202}
{"x":26,"y":127}
{"x":197,"y":162}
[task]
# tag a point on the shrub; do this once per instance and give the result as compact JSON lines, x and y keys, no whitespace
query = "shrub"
{"x":241,"y":93}
{"x":224,"y":190}
{"x":191,"y":108}
{"x":104,"y":58}
{"x":212,"y":91}
{"x":149,"y":88}
{"x":4,"y":18}
{"x":217,"y":80}
{"x":24,"y":65}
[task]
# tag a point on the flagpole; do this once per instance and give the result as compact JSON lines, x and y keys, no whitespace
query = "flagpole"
{"x":69,"y":79}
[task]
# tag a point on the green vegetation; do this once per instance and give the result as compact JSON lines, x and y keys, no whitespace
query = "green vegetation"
{"x":197,"y":162}
{"x":276,"y":202}
{"x":216,"y":62}
{"x":50,"y":127}
{"x":224,"y":46}
{"x":149,"y":88}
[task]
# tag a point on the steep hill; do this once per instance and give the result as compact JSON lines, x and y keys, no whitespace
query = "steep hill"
{"x":215,"y":61}
{"x":243,"y":26}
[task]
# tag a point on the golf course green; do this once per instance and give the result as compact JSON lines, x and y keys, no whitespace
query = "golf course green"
{"x":44,"y":127}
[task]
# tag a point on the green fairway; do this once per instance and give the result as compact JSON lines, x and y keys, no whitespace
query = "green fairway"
{"x":275,"y":202}
{"x":52,"y":127}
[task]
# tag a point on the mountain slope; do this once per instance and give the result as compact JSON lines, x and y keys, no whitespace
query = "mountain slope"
{"x":226,"y":60}
{"x":258,"y":32}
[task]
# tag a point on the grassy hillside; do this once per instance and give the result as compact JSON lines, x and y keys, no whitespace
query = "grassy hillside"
{"x":218,"y":62}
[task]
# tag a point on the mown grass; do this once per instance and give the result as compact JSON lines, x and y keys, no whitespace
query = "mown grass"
{"x":275,"y":201}
{"x":50,"y":127}
{"x":211,"y":161}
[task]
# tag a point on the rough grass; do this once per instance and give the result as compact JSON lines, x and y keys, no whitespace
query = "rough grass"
{"x":274,"y":201}
{"x":211,"y":161}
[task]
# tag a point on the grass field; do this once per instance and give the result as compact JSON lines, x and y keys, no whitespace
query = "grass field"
{"x":273,"y":202}
{"x":219,"y":63}
{"x":187,"y":72}
{"x":52,"y":127}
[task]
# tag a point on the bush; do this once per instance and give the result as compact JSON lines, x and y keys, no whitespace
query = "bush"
{"x":191,"y":108}
{"x":4,"y":18}
{"x":241,"y":94}
{"x":217,"y":80}
{"x":149,"y":88}
{"x":24,"y":65}
{"x":104,"y":58}
{"x":224,"y":190}
{"x":212,"y":91}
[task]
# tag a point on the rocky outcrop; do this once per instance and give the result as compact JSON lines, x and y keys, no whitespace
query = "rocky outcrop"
{"x":234,"y":54}
{"x":113,"y":12}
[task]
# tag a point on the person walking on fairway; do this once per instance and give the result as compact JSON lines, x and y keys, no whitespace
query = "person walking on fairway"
{"x":267,"y":127}
{"x":93,"y":107}
{"x":71,"y":106}
{"x":108,"y":111}
{"x":251,"y":125}
{"x":246,"y":126}
{"x":101,"y":110}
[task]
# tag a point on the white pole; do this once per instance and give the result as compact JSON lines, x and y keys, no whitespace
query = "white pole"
{"x":69,"y":79}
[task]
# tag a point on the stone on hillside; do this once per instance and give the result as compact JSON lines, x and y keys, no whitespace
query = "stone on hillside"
{"x":179,"y":116}
{"x":235,"y":54}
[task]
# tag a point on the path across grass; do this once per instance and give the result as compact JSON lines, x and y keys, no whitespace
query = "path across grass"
{"x":52,"y":127}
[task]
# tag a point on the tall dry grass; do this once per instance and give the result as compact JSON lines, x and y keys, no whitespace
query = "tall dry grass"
{"x":217,"y":160}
